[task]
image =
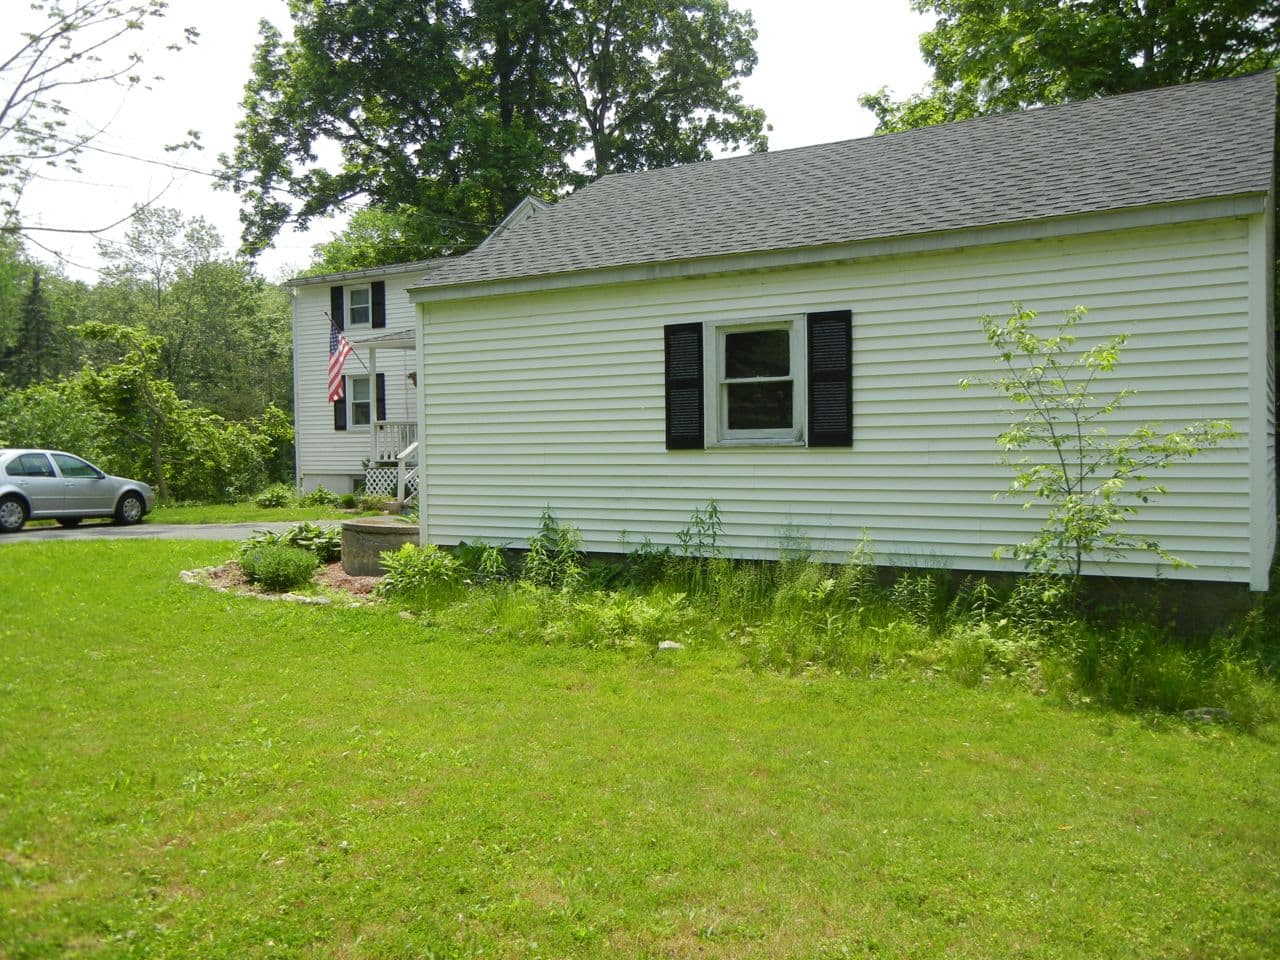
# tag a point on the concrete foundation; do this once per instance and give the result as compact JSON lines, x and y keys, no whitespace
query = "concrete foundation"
{"x":363,"y":540}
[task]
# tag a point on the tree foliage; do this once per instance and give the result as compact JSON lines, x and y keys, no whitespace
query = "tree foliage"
{"x":36,"y":308}
{"x":223,"y":333}
{"x":1088,"y":480}
{"x":128,"y":372}
{"x":76,"y":43}
{"x":997,"y":56}
{"x":124,"y":415}
{"x":445,"y":114}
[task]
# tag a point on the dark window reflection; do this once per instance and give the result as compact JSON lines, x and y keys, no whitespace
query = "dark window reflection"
{"x":757,"y":353}
{"x":759,"y":406}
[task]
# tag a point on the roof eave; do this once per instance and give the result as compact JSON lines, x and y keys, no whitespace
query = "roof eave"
{"x":1209,"y":208}
{"x":391,"y":269}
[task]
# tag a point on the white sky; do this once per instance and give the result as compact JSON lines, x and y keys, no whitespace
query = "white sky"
{"x":816,"y":57}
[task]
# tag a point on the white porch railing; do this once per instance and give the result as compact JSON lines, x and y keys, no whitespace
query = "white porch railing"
{"x":407,"y":473}
{"x":389,"y":438}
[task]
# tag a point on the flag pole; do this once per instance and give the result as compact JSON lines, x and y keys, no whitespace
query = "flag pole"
{"x":354,"y":352}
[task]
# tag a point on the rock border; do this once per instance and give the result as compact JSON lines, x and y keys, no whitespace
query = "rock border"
{"x":203,"y":577}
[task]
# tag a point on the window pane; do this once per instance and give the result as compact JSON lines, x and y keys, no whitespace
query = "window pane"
{"x":360,"y":389}
{"x":757,"y":353}
{"x":30,"y":465}
{"x":359,"y":302}
{"x":73,"y":466}
{"x":760,"y":406}
{"x":360,"y":413}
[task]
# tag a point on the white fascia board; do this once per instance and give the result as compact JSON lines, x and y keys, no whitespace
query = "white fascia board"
{"x":293,"y":346}
{"x":1262,"y":455}
{"x":370,"y":273}
{"x":1048,"y":228}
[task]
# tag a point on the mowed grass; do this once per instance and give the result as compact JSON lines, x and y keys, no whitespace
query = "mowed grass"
{"x":188,"y":774}
{"x":247,"y":512}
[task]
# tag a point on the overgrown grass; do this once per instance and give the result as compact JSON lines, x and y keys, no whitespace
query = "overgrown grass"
{"x":188,"y":774}
{"x":800,"y":616}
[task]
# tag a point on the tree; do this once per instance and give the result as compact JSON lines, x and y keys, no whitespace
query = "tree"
{"x":372,"y":238}
{"x":654,"y":82}
{"x":223,"y":333}
{"x":35,"y":343}
{"x":445,"y":114}
{"x":1088,"y":480}
{"x":78,"y":43}
{"x":141,"y":403}
{"x":997,"y":56}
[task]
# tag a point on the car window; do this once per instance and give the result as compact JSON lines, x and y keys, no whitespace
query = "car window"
{"x":30,"y":465}
{"x":70,"y":466}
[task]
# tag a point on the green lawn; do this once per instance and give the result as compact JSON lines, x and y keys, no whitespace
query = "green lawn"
{"x":248,"y":512}
{"x":187,"y":774}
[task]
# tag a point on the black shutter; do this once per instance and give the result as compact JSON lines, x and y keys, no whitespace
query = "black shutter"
{"x":340,"y":411}
{"x":684,"y":386}
{"x":379,"y":288}
{"x":382,"y":396}
{"x":336,"y":310}
{"x":831,"y":379}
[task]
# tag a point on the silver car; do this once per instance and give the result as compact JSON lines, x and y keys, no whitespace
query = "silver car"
{"x":49,"y":483}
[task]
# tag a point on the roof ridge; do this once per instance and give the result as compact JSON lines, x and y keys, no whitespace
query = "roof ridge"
{"x":1036,"y":110}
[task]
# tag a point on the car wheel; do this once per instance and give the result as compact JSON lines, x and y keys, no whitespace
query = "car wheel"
{"x":129,"y":509}
{"x":13,"y":514}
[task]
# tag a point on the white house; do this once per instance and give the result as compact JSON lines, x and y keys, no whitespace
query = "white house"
{"x":366,"y":440}
{"x":784,"y":333}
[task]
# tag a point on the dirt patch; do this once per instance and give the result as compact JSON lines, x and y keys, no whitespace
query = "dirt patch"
{"x":230,"y":578}
{"x":332,"y":575}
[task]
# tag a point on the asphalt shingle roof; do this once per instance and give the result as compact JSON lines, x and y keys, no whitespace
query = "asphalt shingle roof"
{"x":1175,"y":144}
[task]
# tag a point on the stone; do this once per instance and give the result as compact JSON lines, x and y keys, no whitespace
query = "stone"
{"x":1208,"y":714}
{"x":670,"y":645}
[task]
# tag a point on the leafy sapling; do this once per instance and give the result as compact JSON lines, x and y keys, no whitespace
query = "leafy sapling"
{"x":1090,"y":481}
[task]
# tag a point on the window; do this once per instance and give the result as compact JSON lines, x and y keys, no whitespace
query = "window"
{"x":777,"y":381}
{"x":74,"y":467}
{"x":359,"y":307}
{"x":355,"y":409}
{"x":359,"y":394}
{"x":29,"y":465}
{"x":759,"y":376}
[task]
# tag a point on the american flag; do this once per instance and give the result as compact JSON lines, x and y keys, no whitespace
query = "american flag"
{"x":339,"y":348}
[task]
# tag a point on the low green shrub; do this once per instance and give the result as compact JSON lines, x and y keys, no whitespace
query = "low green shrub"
{"x":277,"y":567}
{"x":319,"y":497}
{"x":482,"y":562}
{"x":619,"y":621}
{"x":325,"y":543}
{"x":645,"y":565}
{"x":276,"y":495}
{"x":348,"y":501}
{"x":414,"y":570}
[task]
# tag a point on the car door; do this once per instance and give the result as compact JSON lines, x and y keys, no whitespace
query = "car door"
{"x":34,"y":476}
{"x":84,"y":488}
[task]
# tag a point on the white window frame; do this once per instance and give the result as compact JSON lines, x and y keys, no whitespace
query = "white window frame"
{"x":351,"y":402}
{"x":715,"y":401}
{"x":367,"y":306}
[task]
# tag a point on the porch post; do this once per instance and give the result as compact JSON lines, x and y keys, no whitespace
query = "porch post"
{"x":373,"y":405}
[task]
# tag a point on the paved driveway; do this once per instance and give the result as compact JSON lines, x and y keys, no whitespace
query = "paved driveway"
{"x":91,"y":529}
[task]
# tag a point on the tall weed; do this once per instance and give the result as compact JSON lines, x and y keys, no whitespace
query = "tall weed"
{"x":555,"y":557}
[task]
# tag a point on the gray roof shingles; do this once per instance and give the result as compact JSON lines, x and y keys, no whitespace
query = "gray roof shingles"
{"x":1162,"y":146}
